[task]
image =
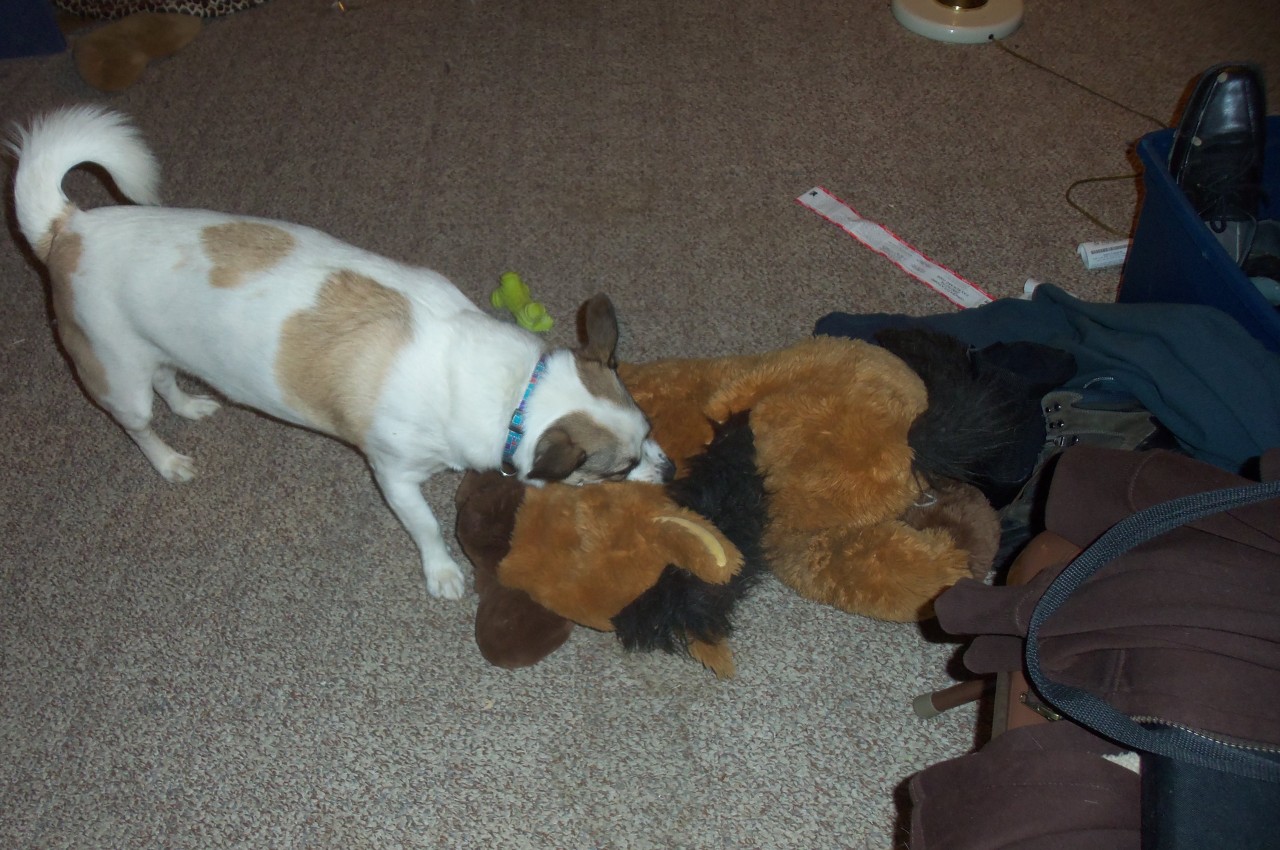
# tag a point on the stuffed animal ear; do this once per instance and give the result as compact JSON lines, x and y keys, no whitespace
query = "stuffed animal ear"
{"x":587,"y":553}
{"x":699,"y":547}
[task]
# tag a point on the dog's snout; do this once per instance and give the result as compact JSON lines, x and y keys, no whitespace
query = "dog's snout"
{"x":654,"y":466}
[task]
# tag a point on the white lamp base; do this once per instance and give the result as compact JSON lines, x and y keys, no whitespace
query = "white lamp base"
{"x":942,"y":21}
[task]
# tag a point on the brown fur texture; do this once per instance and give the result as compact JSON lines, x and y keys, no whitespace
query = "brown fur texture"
{"x":830,"y":418}
{"x":112,"y":57}
{"x":674,"y":393}
{"x":890,"y":570}
{"x":511,"y":629}
{"x":605,"y":550}
{"x":965,"y":514}
{"x":609,"y":542}
{"x":849,"y":523}
{"x":716,"y":657}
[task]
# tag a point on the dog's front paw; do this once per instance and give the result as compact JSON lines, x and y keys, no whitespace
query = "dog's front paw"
{"x":178,"y":469}
{"x":444,"y":580}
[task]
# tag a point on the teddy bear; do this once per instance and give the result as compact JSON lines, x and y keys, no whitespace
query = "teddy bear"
{"x":807,"y":460}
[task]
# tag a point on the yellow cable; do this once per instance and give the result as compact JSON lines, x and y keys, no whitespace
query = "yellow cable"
{"x":1121,"y":233}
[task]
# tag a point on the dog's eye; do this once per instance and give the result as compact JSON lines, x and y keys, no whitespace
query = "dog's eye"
{"x":621,"y":474}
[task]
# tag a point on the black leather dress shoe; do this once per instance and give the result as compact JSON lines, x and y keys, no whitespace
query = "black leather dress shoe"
{"x":1217,"y":152}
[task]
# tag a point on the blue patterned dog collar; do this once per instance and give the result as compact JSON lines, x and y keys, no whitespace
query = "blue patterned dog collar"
{"x":515,"y":431}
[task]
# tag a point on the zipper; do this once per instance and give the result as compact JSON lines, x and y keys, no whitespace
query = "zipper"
{"x":1217,"y":739}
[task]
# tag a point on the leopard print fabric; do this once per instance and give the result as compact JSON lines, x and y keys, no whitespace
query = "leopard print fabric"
{"x":108,"y":10}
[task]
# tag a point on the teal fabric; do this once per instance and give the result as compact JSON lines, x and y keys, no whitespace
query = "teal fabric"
{"x":1214,"y":386}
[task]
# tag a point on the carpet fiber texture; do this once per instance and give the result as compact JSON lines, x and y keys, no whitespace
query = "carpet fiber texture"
{"x":252,"y":660}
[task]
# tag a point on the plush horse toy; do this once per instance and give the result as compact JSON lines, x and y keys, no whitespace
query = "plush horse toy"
{"x":804,"y":462}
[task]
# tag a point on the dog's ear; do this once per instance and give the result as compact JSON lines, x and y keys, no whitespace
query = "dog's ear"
{"x":598,"y":330}
{"x":556,"y":456}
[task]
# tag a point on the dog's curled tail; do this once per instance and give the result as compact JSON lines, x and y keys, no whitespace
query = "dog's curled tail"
{"x":54,"y":144}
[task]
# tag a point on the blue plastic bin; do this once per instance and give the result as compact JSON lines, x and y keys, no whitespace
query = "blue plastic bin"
{"x":1175,"y":258}
{"x":29,"y":29}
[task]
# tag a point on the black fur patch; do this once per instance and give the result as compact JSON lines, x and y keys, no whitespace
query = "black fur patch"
{"x":983,"y":425}
{"x":723,"y":486}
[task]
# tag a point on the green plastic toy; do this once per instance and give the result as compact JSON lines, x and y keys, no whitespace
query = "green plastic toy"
{"x":514,"y":296}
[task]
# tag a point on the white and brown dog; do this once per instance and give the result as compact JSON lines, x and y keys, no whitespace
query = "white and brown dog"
{"x":285,"y":319}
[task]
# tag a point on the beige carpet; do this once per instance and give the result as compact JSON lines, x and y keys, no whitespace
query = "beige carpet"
{"x":252,"y":661}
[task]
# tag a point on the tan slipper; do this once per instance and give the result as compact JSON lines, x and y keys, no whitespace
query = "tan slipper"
{"x":113,"y":57}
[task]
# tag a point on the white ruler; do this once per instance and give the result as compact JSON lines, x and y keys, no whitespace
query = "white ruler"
{"x":942,"y":280}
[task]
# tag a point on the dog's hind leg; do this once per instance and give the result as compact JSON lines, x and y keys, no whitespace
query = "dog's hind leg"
{"x":121,"y":382}
{"x":186,"y":406}
{"x":130,"y":405}
{"x":403,"y":491}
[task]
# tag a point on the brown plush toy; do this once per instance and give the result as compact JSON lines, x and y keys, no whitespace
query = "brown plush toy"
{"x":831,"y":419}
{"x":847,"y":517}
{"x":113,"y":56}
{"x":511,"y":629}
{"x":548,"y":557}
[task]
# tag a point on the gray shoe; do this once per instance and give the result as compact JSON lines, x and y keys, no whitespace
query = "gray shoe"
{"x":1094,"y":416}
